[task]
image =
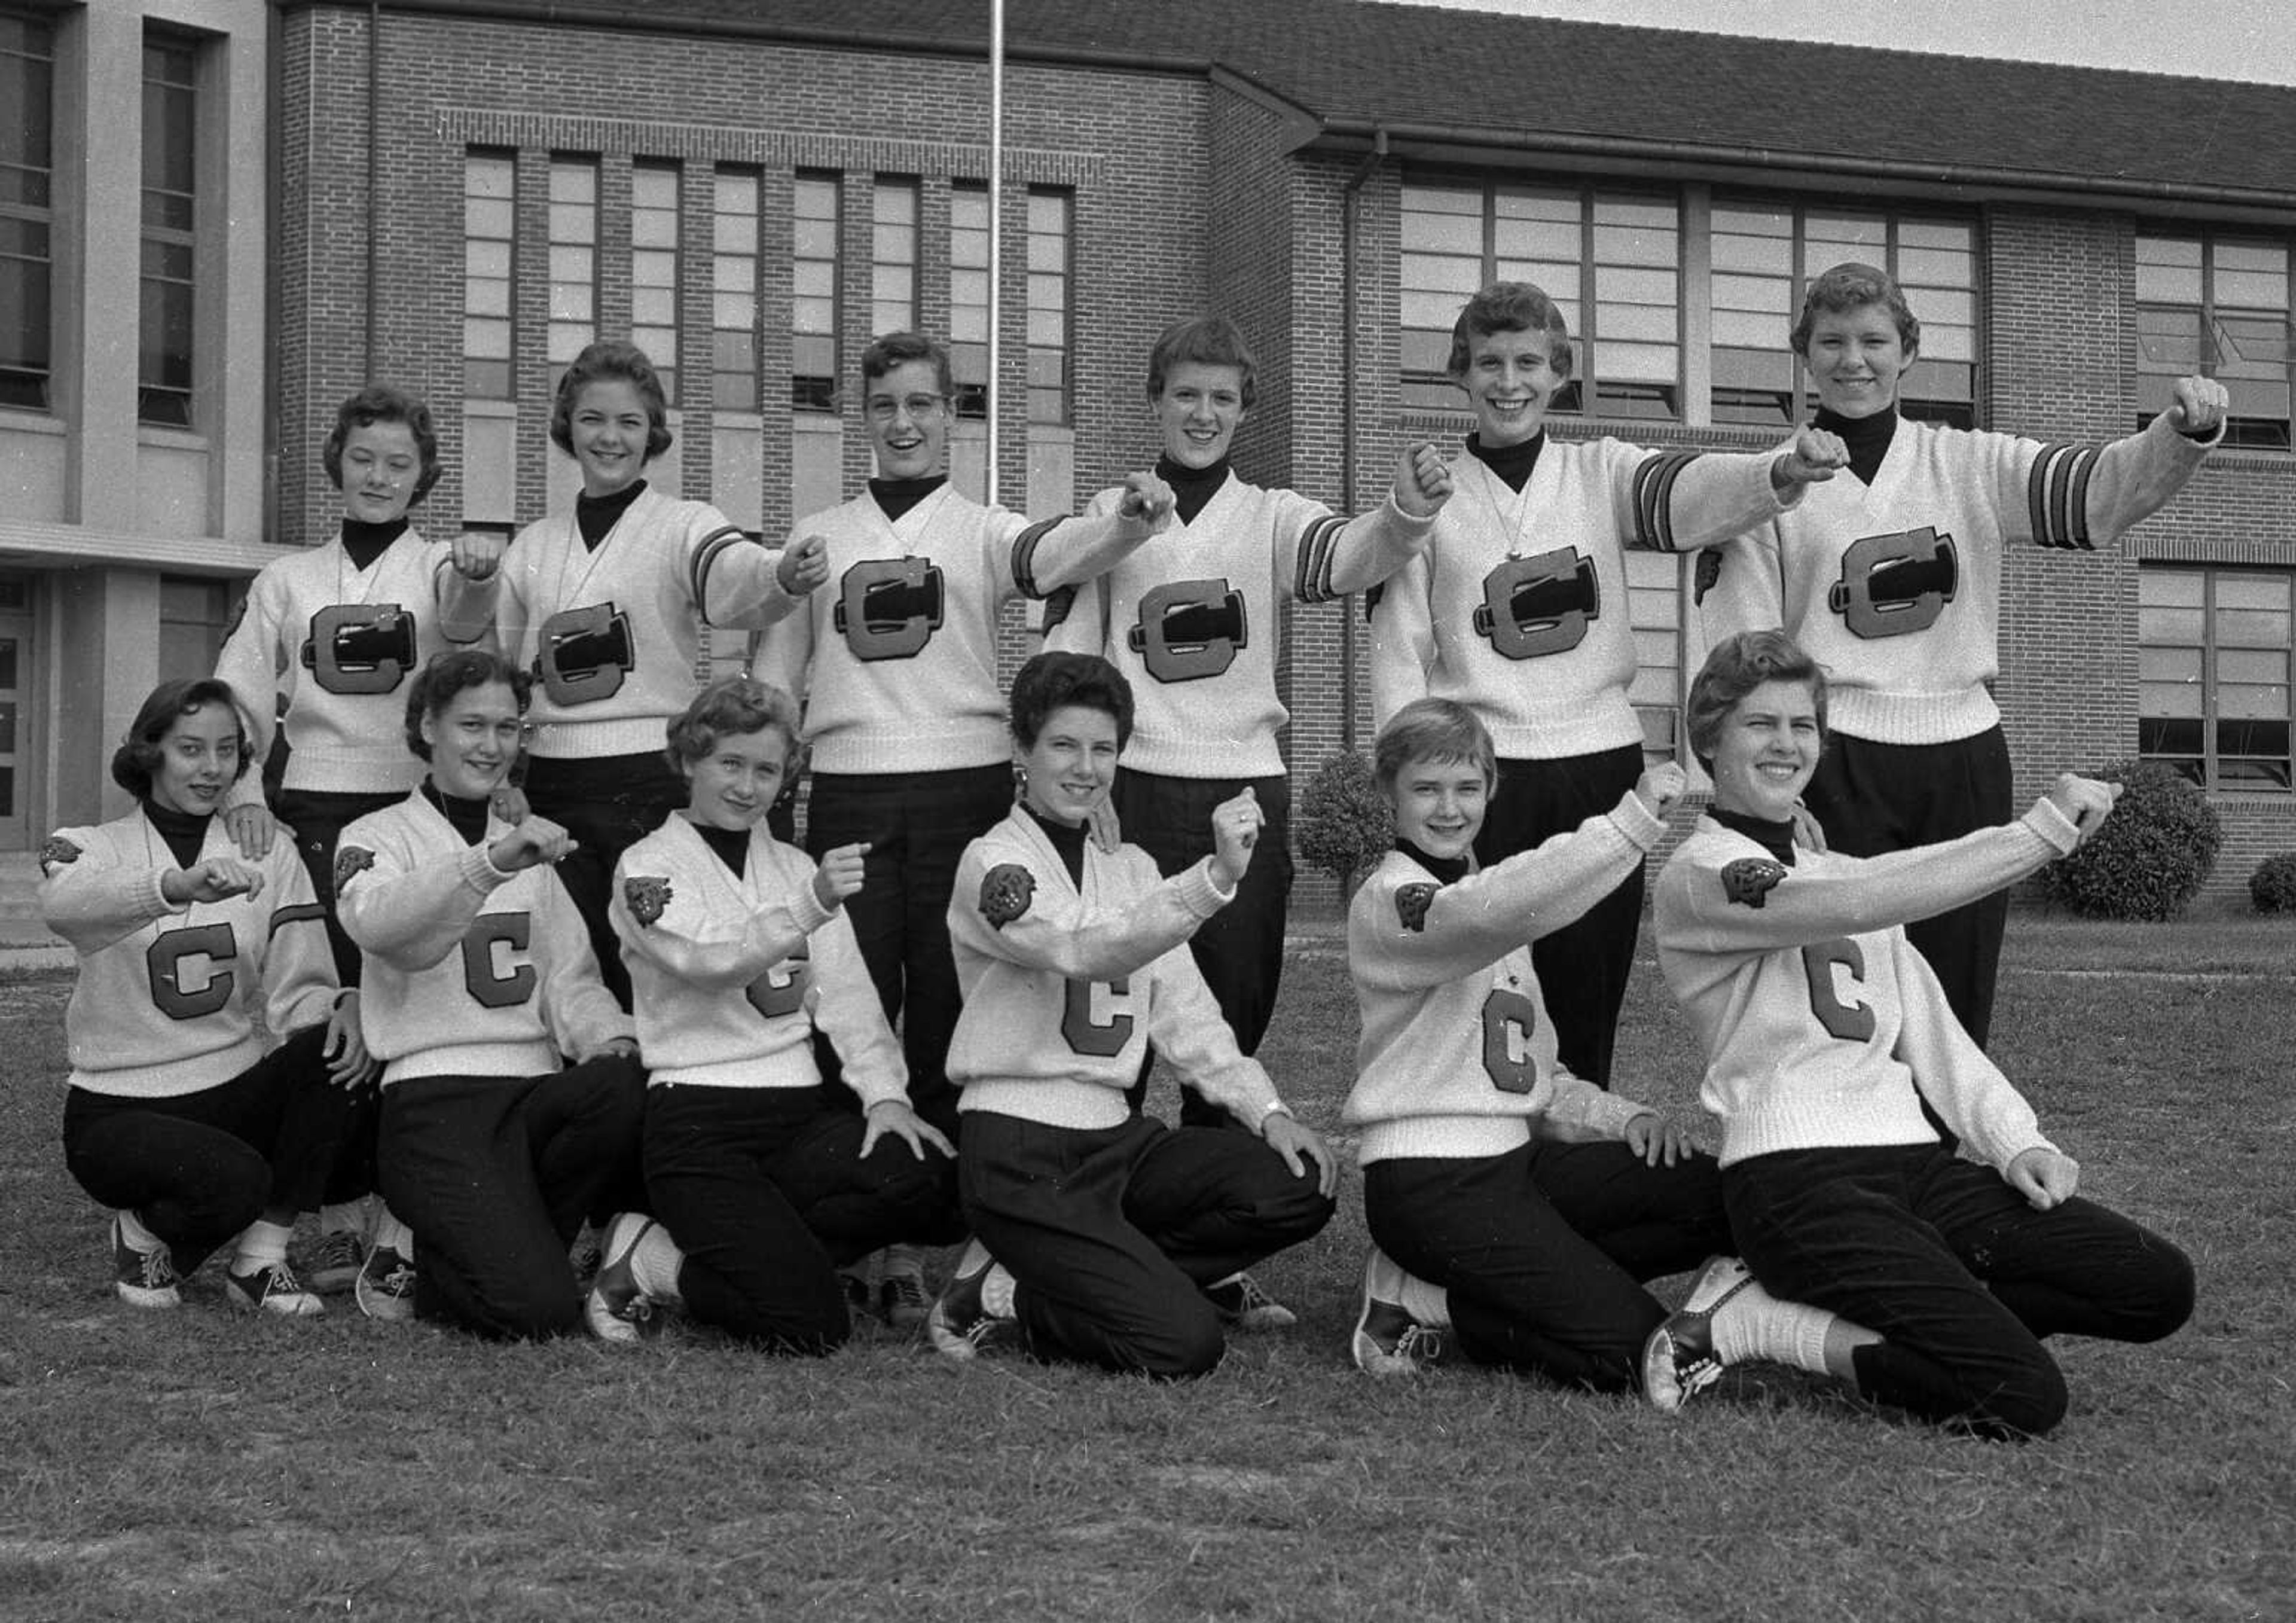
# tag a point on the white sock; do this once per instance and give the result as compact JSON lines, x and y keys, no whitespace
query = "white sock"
{"x":655,"y":1261}
{"x":390,"y":1231}
{"x":1430,"y":1305}
{"x":344,"y":1217}
{"x":261,"y":1245}
{"x":138,"y":1237}
{"x":1755,"y":1324}
{"x":997,"y":1287}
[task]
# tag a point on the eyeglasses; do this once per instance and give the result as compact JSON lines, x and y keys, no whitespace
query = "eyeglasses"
{"x":884,"y":409}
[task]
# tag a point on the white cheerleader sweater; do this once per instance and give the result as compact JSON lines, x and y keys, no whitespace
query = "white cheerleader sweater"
{"x":614,"y":634}
{"x":895,"y":656}
{"x":168,"y":995}
{"x":1193,"y":618}
{"x":1895,"y":588}
{"x":1822,"y":1025}
{"x":730,"y":975}
{"x":341,"y":644}
{"x":468,"y":970}
{"x":1065,"y":986}
{"x":1518,"y":608}
{"x":1457,"y":1054}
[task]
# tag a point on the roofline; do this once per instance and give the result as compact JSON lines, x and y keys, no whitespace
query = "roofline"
{"x":1780,"y":169}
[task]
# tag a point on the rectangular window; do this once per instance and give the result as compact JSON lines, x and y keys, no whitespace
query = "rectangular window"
{"x":27,"y":162}
{"x":1050,"y":218}
{"x":2217,"y":305}
{"x":814,"y":223}
{"x":1610,"y":260}
{"x":573,"y":260}
{"x":1763,"y":253}
{"x":1655,"y":611}
{"x":654,"y":267}
{"x":893,"y":257}
{"x":733,"y":291}
{"x":2213,"y":672}
{"x":967,"y":296}
{"x":165,"y":357}
{"x":489,"y":207}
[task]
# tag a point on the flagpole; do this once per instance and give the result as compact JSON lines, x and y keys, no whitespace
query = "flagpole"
{"x":995,"y":234}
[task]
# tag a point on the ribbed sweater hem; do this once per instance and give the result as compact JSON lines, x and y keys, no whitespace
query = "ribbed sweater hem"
{"x":172,"y":1079}
{"x":969,"y":743}
{"x":1442,"y":1137}
{"x":536,"y":1058}
{"x":1603,"y":722}
{"x":1062,"y":1102}
{"x":1909,"y":718}
{"x":1826,"y":1121}
{"x":352,"y":771}
{"x":583,"y":741}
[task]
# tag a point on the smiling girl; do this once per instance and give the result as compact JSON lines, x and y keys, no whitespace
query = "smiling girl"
{"x":177,"y":1117}
{"x":739,"y":950}
{"x":1828,"y":1041}
{"x":1100,"y":1231}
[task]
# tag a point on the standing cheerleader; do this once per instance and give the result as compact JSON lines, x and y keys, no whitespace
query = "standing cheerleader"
{"x":739,"y":950}
{"x":177,"y":1118}
{"x":512,"y":1093}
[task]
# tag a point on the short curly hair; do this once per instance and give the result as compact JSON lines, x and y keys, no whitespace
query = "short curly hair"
{"x":1736,"y":667}
{"x":382,"y":403}
{"x":892,"y":350}
{"x":1207,"y":340}
{"x":605,"y":361}
{"x":1432,"y":730}
{"x":1050,"y":681}
{"x":1509,"y":306}
{"x":1852,"y":286}
{"x":456,"y":671}
{"x":138,"y":755}
{"x":727,"y":708}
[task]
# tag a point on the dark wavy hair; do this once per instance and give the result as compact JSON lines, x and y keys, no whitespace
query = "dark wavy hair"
{"x":1736,"y":667}
{"x":603,"y":361}
{"x":456,"y":671}
{"x":1050,"y":681}
{"x":138,"y":755}
{"x":380,"y":403}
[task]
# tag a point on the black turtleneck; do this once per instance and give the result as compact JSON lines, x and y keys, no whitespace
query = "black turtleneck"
{"x":1068,"y":841}
{"x":1512,"y":463}
{"x":184,"y":832}
{"x":1192,"y":488}
{"x":1450,"y":870}
{"x":1867,"y":438}
{"x":364,"y":543}
{"x":468,"y":818}
{"x":1776,"y":838}
{"x":731,"y":846}
{"x":895,"y":496}
{"x":596,"y":515}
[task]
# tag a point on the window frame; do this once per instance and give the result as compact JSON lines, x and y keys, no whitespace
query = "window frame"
{"x":28,"y":380}
{"x":2210,"y":341}
{"x":168,"y":272}
{"x":2205,"y":766}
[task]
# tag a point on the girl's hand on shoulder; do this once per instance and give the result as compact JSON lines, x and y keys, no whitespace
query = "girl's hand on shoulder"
{"x":894,"y":1116}
{"x":252,"y":829}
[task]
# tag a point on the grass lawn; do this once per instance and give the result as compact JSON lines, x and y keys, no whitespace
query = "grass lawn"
{"x":204,"y":1466}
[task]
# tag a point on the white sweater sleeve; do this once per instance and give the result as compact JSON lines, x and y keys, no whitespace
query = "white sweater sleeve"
{"x":411,"y":916}
{"x":1967,"y":1090}
{"x":1402,"y":640}
{"x":1004,"y":907}
{"x":689,"y":945}
{"x":91,"y":900}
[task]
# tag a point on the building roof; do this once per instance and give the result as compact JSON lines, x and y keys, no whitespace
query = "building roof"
{"x":1473,"y":81}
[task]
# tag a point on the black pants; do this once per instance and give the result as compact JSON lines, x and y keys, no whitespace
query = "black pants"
{"x":1955,"y":1271}
{"x":764,"y":1190}
{"x":1240,"y":949}
{"x":917,"y":825}
{"x":496,"y":1174}
{"x":199,"y":1167}
{"x":1583,"y":968}
{"x":1111,"y":1234}
{"x":1543,"y":1248}
{"x":318,"y":818}
{"x":609,"y":804}
{"x":1872,"y":798}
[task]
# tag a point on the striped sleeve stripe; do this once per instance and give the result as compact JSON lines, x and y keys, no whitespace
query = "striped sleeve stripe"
{"x":1319,"y":545}
{"x":713,"y":547}
{"x":2058,"y":496}
{"x":1654,"y":498}
{"x":300,"y":913}
{"x":1024,"y":557}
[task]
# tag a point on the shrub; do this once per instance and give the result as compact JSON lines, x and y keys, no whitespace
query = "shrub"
{"x":1344,"y":825}
{"x":2152,"y":856}
{"x":2272,"y":886}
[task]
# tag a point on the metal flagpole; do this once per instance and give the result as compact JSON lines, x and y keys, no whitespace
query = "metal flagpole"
{"x":995,"y":231}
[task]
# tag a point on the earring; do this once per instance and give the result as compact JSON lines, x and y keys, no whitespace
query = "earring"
{"x":1019,"y":784}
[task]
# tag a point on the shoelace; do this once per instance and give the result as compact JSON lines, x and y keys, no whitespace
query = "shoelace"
{"x":400,"y":1281}
{"x":1417,"y":1341}
{"x":159,"y":1270}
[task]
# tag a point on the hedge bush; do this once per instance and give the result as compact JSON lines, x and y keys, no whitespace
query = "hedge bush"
{"x":2272,"y":886}
{"x":2152,"y":855}
{"x":1343,"y":825}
